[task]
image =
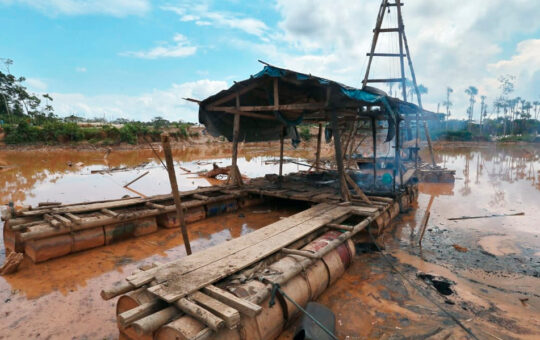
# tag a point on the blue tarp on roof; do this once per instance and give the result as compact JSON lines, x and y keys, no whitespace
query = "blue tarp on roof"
{"x":350,"y":92}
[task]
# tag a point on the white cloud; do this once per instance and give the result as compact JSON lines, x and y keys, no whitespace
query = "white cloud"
{"x":452,"y":43}
{"x":36,"y":84}
{"x":167,"y":103}
{"x":118,"y":8}
{"x":203,"y":16}
{"x":180,"y":48}
{"x":80,"y":69}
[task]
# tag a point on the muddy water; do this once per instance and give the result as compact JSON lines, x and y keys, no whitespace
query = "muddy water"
{"x":494,"y":277}
{"x":494,"y":283}
{"x":60,"y":299}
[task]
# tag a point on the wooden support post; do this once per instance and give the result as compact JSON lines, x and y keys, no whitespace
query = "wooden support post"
{"x":174,"y":186}
{"x":234,"y":177}
{"x":318,"y":153}
{"x":428,"y":137}
{"x":281,"y":142}
{"x":374,"y":136}
{"x":339,"y":158}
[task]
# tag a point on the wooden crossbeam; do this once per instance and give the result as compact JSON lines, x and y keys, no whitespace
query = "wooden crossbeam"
{"x":243,"y":306}
{"x":387,"y":80}
{"x":155,"y":206}
{"x":199,"y":313}
{"x":386,"y":30}
{"x":230,"y":315}
{"x":340,"y":226}
{"x":385,"y":55}
{"x":74,"y":218}
{"x":109,"y":212}
{"x":284,"y":107}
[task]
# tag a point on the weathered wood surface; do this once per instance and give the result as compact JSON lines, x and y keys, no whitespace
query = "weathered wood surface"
{"x":111,"y":204}
{"x":230,"y":315}
{"x":243,"y":306}
{"x":174,"y":286}
{"x":202,"y":258}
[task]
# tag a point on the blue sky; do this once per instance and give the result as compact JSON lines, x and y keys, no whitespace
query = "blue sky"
{"x":137,"y":59}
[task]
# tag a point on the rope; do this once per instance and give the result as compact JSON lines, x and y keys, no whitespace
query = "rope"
{"x":277,"y":288}
{"x":450,"y":315}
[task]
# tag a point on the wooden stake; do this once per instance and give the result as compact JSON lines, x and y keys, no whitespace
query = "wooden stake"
{"x":174,"y":186}
{"x":136,"y":179}
{"x":425,"y":220}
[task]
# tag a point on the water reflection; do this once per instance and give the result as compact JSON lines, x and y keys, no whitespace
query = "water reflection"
{"x":66,"y":175}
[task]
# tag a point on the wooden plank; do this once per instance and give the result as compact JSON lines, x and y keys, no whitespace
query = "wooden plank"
{"x":63,"y":220}
{"x":243,"y":306}
{"x":85,"y":207}
{"x":201,"y":314}
{"x":74,"y":218}
{"x":174,"y":286}
{"x":109,"y":212}
{"x":388,"y":80}
{"x":204,"y":257}
{"x":139,"y":312}
{"x":228,"y":314}
{"x":303,"y":253}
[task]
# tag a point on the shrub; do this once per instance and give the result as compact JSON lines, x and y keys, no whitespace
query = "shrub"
{"x":304,"y":132}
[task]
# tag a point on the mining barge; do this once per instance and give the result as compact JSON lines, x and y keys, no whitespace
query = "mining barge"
{"x":244,"y":288}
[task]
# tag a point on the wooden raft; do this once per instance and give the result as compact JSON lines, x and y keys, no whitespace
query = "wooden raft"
{"x":188,"y":284}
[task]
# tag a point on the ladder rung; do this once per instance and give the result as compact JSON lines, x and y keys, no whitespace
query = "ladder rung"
{"x":385,"y":54}
{"x":386,"y":30}
{"x":393,"y":5}
{"x":389,"y":80}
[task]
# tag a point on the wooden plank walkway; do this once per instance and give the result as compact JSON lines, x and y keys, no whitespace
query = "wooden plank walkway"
{"x":223,"y":250}
{"x":174,"y":285}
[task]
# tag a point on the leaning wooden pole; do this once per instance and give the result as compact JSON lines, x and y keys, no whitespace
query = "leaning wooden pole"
{"x":174,"y":186}
{"x":374,"y":136}
{"x":235,"y":177}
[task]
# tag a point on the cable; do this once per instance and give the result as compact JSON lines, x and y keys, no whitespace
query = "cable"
{"x":277,"y":288}
{"x":420,"y":291}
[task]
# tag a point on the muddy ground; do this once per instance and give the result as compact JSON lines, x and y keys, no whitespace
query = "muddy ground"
{"x":483,"y":272}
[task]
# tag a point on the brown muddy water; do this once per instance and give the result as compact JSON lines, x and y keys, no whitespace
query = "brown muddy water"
{"x":491,"y":284}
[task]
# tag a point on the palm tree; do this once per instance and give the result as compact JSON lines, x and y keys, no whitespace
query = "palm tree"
{"x":536,"y":103}
{"x":448,"y":104}
{"x":471,"y":91}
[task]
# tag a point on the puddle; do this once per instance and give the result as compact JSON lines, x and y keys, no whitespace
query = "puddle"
{"x":499,"y":245}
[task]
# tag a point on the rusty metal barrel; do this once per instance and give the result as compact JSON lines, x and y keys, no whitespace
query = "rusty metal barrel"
{"x":268,"y":324}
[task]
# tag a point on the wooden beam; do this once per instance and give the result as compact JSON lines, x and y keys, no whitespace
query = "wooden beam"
{"x":235,"y":111}
{"x":234,"y":174}
{"x":318,"y":153}
{"x":228,"y":314}
{"x":303,"y":253}
{"x":174,"y":186}
{"x":284,"y":107}
{"x":243,"y":306}
{"x":109,"y":212}
{"x":201,"y":314}
{"x":388,"y":80}
{"x":385,"y":55}
{"x":339,"y":158}
{"x":357,"y":189}
{"x":233,"y":95}
{"x":281,"y":143}
{"x":276,"y":96}
{"x":340,"y":226}
{"x":386,"y":30}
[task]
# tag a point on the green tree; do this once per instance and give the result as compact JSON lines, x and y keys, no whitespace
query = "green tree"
{"x":471,"y":91}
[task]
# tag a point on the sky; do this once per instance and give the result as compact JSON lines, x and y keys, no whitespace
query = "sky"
{"x":137,"y":59}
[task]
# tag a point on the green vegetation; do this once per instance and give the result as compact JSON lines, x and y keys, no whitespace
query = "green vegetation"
{"x":29,"y":118}
{"x":304,"y":132}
